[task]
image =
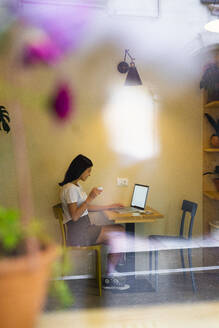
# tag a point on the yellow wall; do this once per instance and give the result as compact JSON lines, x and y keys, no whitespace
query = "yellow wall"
{"x":173,"y":175}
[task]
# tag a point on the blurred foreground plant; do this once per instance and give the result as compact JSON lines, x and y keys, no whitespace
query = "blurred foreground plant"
{"x":12,"y":244}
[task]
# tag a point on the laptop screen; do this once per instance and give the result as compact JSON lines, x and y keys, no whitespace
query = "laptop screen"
{"x":139,"y":196}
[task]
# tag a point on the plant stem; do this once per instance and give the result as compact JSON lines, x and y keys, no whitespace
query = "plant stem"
{"x":23,"y":173}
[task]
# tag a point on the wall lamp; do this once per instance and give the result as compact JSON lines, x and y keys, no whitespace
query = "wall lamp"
{"x":123,"y":67}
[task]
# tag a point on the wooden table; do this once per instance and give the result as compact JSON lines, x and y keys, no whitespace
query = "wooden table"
{"x":130,"y":220}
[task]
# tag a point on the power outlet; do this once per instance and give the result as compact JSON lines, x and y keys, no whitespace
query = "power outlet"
{"x":122,"y":182}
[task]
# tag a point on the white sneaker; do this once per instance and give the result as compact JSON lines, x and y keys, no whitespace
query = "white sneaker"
{"x":114,"y":283}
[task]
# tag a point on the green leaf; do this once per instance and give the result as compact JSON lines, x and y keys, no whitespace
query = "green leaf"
{"x":211,"y":121}
{"x":6,"y":117}
{"x":60,"y":290}
{"x":5,"y":126}
{"x":5,"y":112}
{"x":218,"y":125}
{"x":11,"y":231}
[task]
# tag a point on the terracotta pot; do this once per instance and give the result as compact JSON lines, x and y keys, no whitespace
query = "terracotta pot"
{"x":215,"y":141}
{"x":23,"y":287}
{"x":216,"y":182}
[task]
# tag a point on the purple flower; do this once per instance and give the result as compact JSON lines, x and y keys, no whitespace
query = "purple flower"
{"x":42,"y":52}
{"x":65,"y":26}
{"x":63,"y":102}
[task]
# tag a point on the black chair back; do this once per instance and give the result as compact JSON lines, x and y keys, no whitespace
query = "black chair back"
{"x":191,"y":208}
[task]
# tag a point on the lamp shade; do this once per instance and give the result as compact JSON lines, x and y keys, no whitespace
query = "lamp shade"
{"x":133,"y":77}
{"x":213,"y":26}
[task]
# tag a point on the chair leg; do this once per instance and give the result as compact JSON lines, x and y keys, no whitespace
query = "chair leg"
{"x":98,"y":270}
{"x":191,"y":272}
{"x":156,"y":268}
{"x":182,"y":261}
{"x":64,"y":260}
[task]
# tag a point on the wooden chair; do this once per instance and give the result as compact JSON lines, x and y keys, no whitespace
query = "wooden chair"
{"x":58,"y":212}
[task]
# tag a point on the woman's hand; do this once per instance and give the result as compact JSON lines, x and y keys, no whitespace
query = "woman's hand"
{"x":93,"y":194}
{"x":115,"y":206}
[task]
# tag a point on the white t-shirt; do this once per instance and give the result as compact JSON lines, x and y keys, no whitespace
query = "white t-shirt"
{"x":70,"y":193}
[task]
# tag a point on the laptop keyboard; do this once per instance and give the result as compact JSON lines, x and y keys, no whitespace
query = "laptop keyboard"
{"x":128,"y":209}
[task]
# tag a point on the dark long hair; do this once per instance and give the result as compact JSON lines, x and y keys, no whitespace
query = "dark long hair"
{"x":79,"y":164}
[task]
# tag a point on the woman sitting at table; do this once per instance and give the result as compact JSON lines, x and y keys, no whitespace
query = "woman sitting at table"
{"x":80,"y":231}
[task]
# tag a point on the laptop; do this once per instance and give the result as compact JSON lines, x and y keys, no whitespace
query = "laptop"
{"x":139,"y":199}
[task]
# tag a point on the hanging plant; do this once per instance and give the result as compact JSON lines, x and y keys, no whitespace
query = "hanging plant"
{"x":210,"y":82}
{"x":4,"y":119}
{"x":215,"y":137}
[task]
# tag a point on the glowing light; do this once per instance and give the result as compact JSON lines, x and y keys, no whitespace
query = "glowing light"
{"x":130,"y":119}
{"x":213,"y":26}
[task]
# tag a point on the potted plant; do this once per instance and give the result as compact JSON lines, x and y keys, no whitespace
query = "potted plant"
{"x":215,"y":137}
{"x":210,"y":82}
{"x":26,"y":255}
{"x":215,"y":180}
{"x":23,"y":273}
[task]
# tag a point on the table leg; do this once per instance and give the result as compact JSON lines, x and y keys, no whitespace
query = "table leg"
{"x":136,"y":285}
{"x":129,"y":265}
{"x":130,"y":256}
